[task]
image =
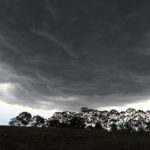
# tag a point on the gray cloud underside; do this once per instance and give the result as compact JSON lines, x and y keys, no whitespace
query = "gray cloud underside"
{"x":66,"y":54}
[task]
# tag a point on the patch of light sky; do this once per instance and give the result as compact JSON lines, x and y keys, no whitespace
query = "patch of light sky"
{"x":138,"y":106}
{"x":8,"y":111}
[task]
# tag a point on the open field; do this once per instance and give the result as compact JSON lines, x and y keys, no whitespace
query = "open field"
{"x":15,"y":138}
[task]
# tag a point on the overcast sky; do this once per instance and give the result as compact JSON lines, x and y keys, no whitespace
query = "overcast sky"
{"x":65,"y":54}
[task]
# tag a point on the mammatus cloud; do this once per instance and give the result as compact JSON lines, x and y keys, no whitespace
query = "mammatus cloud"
{"x":68,"y":54}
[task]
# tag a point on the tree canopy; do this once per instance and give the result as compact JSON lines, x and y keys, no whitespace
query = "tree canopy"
{"x":129,"y":120}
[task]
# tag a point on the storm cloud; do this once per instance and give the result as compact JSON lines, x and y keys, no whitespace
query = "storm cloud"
{"x":65,"y":54}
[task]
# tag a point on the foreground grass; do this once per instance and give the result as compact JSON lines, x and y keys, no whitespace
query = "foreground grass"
{"x":15,"y":138}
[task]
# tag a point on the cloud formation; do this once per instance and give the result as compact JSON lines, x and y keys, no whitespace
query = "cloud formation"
{"x":68,"y":54}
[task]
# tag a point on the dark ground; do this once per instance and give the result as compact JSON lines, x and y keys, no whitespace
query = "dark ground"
{"x":15,"y":138}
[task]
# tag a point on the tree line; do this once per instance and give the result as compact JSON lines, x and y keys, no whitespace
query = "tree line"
{"x":130,"y":120}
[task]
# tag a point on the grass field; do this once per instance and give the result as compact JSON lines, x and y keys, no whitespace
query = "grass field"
{"x":15,"y":138}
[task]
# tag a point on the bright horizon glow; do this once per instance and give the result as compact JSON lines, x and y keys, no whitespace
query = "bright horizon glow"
{"x":8,"y":111}
{"x":138,"y":106}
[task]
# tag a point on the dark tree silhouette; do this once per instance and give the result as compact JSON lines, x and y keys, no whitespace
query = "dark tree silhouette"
{"x":98,"y":126}
{"x":38,"y":121}
{"x":23,"y":119}
{"x":15,"y":122}
{"x":64,"y":125}
{"x":53,"y":124}
{"x":77,"y":122}
{"x":128,"y":127}
{"x":129,"y":120}
{"x":84,"y":109}
{"x":148,"y":126}
{"x":113,"y":127}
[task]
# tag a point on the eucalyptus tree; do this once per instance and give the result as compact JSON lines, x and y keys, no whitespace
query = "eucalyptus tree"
{"x":23,"y":119}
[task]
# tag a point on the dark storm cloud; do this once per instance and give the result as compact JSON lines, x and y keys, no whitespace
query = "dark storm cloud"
{"x":67,"y":54}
